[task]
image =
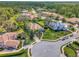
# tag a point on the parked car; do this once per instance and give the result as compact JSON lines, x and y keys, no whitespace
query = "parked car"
{"x":71,"y":35}
{"x":65,"y":38}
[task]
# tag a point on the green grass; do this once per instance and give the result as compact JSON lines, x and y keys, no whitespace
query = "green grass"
{"x":20,"y":45}
{"x":69,"y":52}
{"x":24,"y":54}
{"x":53,"y":35}
{"x":1,"y":49}
{"x":74,"y":45}
{"x":28,"y":41}
{"x":72,"y":29}
{"x":2,"y":30}
{"x":20,"y":53}
{"x":41,"y":23}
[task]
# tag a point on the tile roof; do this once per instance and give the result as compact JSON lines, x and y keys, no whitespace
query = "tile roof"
{"x":8,"y":39}
{"x":1,"y":39}
{"x":12,"y":43}
{"x":34,"y":26}
{"x":73,"y":20}
{"x":30,"y":15}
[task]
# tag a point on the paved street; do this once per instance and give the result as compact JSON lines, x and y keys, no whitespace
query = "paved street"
{"x":50,"y":49}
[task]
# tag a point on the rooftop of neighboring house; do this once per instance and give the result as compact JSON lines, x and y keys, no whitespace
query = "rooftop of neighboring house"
{"x":1,"y":39}
{"x":48,"y":13}
{"x":24,"y":11}
{"x":58,"y":25}
{"x":72,"y":20}
{"x":34,"y":26}
{"x":31,"y":14}
{"x":52,"y":14}
{"x":12,"y":43}
{"x":9,"y":39}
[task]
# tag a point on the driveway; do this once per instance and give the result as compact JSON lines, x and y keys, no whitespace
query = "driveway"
{"x":46,"y":49}
{"x":50,"y":49}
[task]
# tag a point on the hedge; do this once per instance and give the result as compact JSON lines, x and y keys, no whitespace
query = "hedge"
{"x":12,"y":53}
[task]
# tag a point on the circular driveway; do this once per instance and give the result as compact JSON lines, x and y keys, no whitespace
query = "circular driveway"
{"x":50,"y":49}
{"x":46,"y":49}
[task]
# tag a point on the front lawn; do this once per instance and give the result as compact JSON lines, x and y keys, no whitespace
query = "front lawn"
{"x":41,"y":22}
{"x":28,"y":41}
{"x":53,"y":35}
{"x":69,"y":52}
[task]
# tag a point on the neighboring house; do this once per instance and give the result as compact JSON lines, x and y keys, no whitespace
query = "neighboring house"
{"x":8,"y":40}
{"x":44,"y":14}
{"x":1,"y":42}
{"x":47,"y":13}
{"x":21,"y":18}
{"x":72,"y":20}
{"x":12,"y":44}
{"x":34,"y":26}
{"x":29,"y":15}
{"x":37,"y":28}
{"x":58,"y":26}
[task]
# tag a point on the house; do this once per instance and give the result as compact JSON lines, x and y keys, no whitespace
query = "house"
{"x":30,"y":15}
{"x":1,"y":42}
{"x":34,"y":26}
{"x":12,"y":44}
{"x":47,"y":13}
{"x":58,"y":26}
{"x":44,"y":14}
{"x":8,"y":40}
{"x":72,"y":20}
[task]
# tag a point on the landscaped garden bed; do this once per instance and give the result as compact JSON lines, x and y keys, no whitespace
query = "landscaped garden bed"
{"x":75,"y":45}
{"x":54,"y":35}
{"x":1,"y":49}
{"x":69,"y":52}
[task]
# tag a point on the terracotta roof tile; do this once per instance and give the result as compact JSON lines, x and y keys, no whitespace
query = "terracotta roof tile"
{"x":34,"y":26}
{"x":73,"y":20}
{"x":12,"y":43}
{"x":1,"y":39}
{"x":9,"y":39}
